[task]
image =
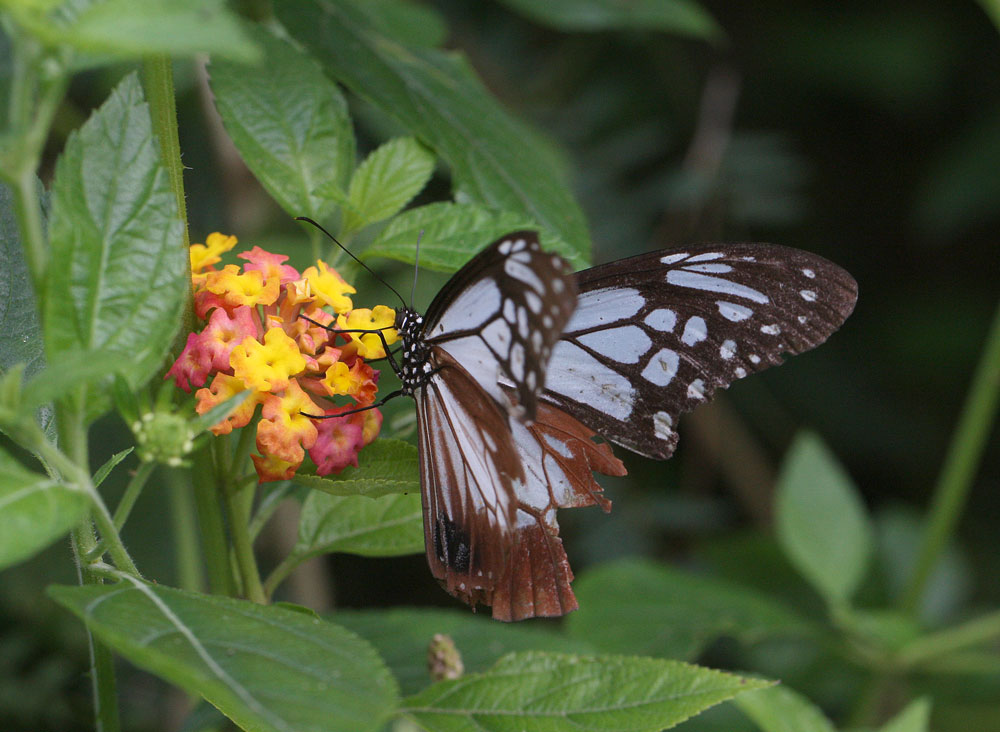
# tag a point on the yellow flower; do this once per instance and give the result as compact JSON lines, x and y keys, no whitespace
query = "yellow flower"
{"x":369,"y":344}
{"x":207,"y":254}
{"x":267,"y":366}
{"x":329,"y":287}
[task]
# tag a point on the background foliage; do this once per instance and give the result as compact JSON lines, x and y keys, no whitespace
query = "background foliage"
{"x":785,"y":540}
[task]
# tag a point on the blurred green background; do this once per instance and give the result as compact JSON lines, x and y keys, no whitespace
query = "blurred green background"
{"x":869,"y":133}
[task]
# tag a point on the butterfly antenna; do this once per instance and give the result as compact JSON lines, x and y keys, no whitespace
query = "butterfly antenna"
{"x":416,"y":264}
{"x":351,"y":255}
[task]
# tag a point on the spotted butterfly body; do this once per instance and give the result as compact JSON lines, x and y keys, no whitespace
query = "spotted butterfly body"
{"x":519,"y":364}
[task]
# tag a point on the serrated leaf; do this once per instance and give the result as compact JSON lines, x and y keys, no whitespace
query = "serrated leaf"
{"x":449,"y":233}
{"x":682,"y":17}
{"x":371,"y":527}
{"x":119,"y":273}
{"x":125,"y":28}
{"x":495,"y":160}
{"x":34,"y":511}
{"x":916,"y":717}
{"x":290,"y":124}
{"x":385,"y":182}
{"x":558,"y":692}
{"x":268,"y":669}
{"x":821,"y":520}
{"x":384,"y":467}
{"x":779,"y":709}
{"x":402,"y":635}
{"x":640,"y":607}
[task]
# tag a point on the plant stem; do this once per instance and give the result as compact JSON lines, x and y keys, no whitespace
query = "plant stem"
{"x":960,"y":465}
{"x":211,"y":524}
{"x":243,"y":548}
{"x":280,"y":573}
{"x":158,"y":81}
{"x":182,"y":513}
{"x":982,"y":630}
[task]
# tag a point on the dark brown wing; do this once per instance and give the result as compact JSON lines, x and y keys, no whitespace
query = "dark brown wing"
{"x":502,"y":313}
{"x":559,"y":457}
{"x":468,"y":471}
{"x":654,"y":336}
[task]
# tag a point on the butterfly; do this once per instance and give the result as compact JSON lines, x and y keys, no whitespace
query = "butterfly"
{"x":519,"y":363}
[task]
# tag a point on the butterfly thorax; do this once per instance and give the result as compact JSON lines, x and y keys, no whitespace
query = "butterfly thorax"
{"x":414,"y":366}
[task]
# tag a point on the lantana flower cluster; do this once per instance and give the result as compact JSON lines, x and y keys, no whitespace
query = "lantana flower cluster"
{"x":254,"y":339}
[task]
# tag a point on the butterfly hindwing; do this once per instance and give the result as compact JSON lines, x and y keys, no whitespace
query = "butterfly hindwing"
{"x":654,"y":336}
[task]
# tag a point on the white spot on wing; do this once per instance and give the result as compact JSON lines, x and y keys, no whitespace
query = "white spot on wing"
{"x":732,"y":311}
{"x":662,"y":367}
{"x":710,"y":268}
{"x":808,"y":273}
{"x":576,"y":374}
{"x":808,"y":295}
{"x":604,"y":306}
{"x":695,"y":331}
{"x":626,"y":344}
{"x":698,"y":281}
{"x":771,"y":329}
{"x":534,"y":301}
{"x":696,"y":389}
{"x":672,"y":258}
{"x":470,"y":309}
{"x":728,"y":349}
{"x":517,"y":362}
{"x":661,"y":319}
{"x":706,"y":257}
{"x":663,"y":425}
{"x":522,"y":272}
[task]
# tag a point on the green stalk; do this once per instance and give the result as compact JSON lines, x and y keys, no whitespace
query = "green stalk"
{"x":211,"y":525}
{"x":182,"y":513}
{"x":243,"y":547}
{"x":158,"y":81}
{"x":979,"y":631}
{"x":960,"y":465}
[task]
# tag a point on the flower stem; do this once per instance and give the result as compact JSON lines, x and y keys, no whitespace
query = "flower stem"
{"x":960,"y":465}
{"x":182,"y":514}
{"x":243,"y":546}
{"x":211,"y":524}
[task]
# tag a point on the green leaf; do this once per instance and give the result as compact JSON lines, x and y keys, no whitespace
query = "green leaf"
{"x":779,"y":709}
{"x":821,"y":520}
{"x":556,"y":692}
{"x":105,"y":470}
{"x":495,"y":160}
{"x":682,"y":17}
{"x":119,"y":273}
{"x":916,"y":717}
{"x":266,"y":668}
{"x":384,"y":467}
{"x":34,"y":511}
{"x":402,"y":635}
{"x":640,"y":607}
{"x":290,"y":124}
{"x":386,"y":181}
{"x":20,"y":327}
{"x":408,"y":22}
{"x":372,"y":527}
{"x":449,"y":233}
{"x":125,"y":28}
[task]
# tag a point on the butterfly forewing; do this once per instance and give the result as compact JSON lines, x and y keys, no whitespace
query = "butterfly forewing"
{"x":653,"y":336}
{"x":502,"y":314}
